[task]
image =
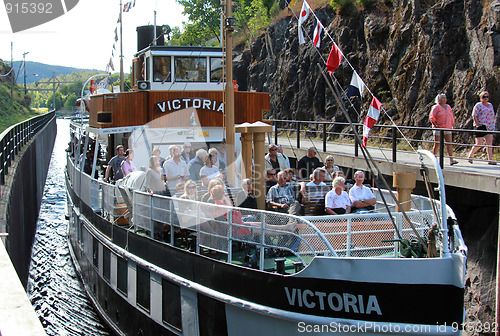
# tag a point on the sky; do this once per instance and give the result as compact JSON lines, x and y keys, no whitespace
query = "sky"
{"x":84,"y":36}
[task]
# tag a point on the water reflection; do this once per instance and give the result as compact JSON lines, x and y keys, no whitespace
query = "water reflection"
{"x":53,"y":285}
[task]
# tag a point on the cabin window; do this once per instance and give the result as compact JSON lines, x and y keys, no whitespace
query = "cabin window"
{"x":143,"y":288}
{"x":212,"y":316}
{"x":171,"y":303}
{"x":106,"y":263}
{"x":215,"y":69}
{"x":122,"y":275}
{"x":190,"y":69}
{"x":148,"y":67}
{"x":161,"y":69}
{"x":95,"y":252}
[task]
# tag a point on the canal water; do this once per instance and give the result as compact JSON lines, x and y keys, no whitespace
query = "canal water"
{"x":54,"y":288}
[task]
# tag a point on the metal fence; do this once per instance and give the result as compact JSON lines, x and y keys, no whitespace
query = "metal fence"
{"x":15,"y":137}
{"x":301,"y":130}
{"x":218,"y":228}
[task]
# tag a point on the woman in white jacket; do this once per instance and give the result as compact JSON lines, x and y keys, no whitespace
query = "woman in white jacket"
{"x":275,"y":160}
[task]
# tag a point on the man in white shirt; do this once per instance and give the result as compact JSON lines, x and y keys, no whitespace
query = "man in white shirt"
{"x":362,"y":197}
{"x":175,"y":170}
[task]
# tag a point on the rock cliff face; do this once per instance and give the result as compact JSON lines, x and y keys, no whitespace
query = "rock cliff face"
{"x":406,"y":53}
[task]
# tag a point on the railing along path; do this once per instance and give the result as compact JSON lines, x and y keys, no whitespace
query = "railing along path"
{"x":303,"y":130}
{"x":15,"y":137}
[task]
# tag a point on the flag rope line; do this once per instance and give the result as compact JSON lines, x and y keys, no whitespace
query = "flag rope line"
{"x":353,"y":69}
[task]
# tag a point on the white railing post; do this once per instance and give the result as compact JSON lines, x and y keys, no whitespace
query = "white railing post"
{"x":349,"y":223}
{"x":151,"y":221}
{"x":172,"y":235}
{"x":398,"y":219}
{"x":230,"y":236}
{"x":262,"y":241}
{"x":198,"y":227}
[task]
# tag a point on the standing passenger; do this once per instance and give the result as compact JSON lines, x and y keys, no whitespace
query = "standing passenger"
{"x":175,"y":170}
{"x":116,"y":164}
{"x":441,"y":116}
{"x":153,"y":182}
{"x":128,"y":165}
{"x":196,"y":164}
{"x":484,"y":123}
{"x":186,"y":153}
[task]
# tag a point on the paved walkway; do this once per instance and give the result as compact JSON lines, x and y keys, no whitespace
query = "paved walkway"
{"x":476,"y":176}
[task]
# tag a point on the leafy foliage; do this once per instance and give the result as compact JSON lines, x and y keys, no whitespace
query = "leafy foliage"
{"x":342,"y":5}
{"x":13,"y":108}
{"x":204,"y":17}
{"x":65,"y":85}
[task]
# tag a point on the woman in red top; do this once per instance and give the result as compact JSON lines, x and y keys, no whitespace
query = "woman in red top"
{"x":441,"y":116}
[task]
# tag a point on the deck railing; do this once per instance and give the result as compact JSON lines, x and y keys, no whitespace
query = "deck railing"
{"x":216,"y":228}
{"x":307,"y":130}
{"x":16,"y":136}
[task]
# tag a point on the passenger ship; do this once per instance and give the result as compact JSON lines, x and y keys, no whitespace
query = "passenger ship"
{"x":356,"y":273}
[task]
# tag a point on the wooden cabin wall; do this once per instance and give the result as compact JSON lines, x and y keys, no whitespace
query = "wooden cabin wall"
{"x":139,"y":108}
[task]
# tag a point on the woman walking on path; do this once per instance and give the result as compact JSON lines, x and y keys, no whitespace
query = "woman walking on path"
{"x":441,"y":116}
{"x":483,"y":115}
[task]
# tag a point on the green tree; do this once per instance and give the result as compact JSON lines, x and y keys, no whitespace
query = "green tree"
{"x":50,"y":101}
{"x":204,"y":18}
{"x":70,"y":100}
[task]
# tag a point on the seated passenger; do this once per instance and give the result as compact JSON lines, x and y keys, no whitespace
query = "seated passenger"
{"x":271,"y":179}
{"x":308,"y":163}
{"x":207,"y":198}
{"x":287,"y":160}
{"x":275,"y":160}
{"x":337,"y":201}
{"x":218,"y":195}
{"x":282,"y":197}
{"x":362,"y":197}
{"x":318,"y":176}
{"x":187,"y":212}
{"x":245,"y":197}
{"x":290,"y":176}
{"x":243,"y":228}
{"x":330,"y":168}
{"x":179,"y":189}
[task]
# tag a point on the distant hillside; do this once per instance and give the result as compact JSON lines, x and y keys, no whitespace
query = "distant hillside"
{"x":15,"y":109}
{"x":36,"y":71}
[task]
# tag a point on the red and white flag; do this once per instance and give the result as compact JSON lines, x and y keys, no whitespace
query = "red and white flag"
{"x":334,"y":58}
{"x":317,"y":34}
{"x":371,"y":118}
{"x":304,"y":13}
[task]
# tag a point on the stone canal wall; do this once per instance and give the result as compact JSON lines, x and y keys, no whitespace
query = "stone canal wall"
{"x":22,"y":194}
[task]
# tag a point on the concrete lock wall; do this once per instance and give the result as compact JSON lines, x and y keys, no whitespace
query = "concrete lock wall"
{"x":26,"y":191}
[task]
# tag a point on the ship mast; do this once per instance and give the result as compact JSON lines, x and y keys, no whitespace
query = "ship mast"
{"x":229,"y":24}
{"x":122,"y":86}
